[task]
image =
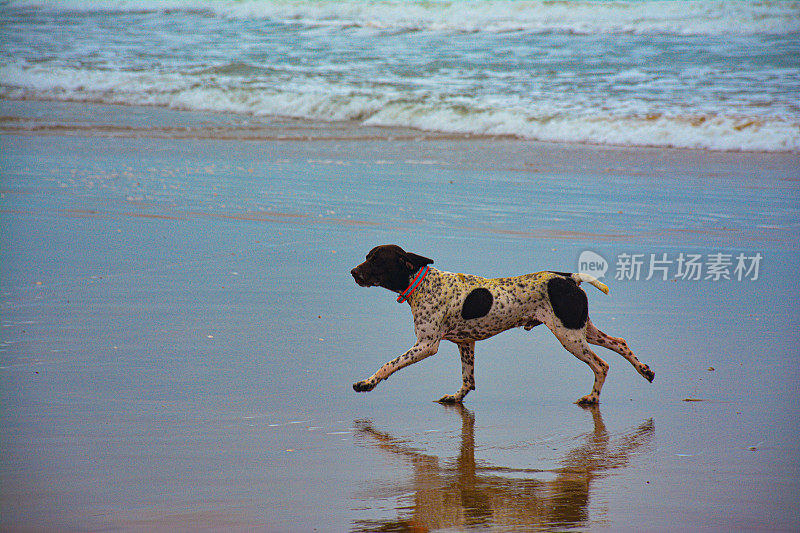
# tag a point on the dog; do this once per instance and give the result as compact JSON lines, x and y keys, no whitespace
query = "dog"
{"x":463,"y":309}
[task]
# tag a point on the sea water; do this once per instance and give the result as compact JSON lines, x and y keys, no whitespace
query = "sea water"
{"x":721,"y":75}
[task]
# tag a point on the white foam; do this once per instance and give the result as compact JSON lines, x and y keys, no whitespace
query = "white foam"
{"x":713,"y":131}
{"x":695,"y":17}
{"x":620,"y":124}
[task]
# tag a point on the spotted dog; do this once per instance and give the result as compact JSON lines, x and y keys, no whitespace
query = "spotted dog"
{"x":462,"y":308}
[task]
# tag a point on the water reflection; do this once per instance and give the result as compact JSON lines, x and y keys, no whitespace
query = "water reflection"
{"x":462,"y":493}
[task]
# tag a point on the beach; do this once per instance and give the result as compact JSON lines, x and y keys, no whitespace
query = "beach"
{"x":185,"y":186}
{"x":180,"y":330}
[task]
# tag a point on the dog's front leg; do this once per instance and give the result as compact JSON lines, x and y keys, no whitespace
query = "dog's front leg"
{"x":467,"y":350}
{"x":422,"y":349}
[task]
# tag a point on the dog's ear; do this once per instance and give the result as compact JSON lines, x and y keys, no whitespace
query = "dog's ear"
{"x":414,"y":261}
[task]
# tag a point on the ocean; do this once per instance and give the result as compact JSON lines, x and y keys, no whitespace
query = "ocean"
{"x":715,"y":75}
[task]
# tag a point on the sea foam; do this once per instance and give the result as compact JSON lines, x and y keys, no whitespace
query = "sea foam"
{"x":715,"y":131}
{"x":694,"y":17}
{"x":710,"y":75}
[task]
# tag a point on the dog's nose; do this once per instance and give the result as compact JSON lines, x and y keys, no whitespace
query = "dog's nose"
{"x":356,"y":273}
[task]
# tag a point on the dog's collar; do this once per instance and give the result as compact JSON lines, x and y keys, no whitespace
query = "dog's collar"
{"x":420,"y":275}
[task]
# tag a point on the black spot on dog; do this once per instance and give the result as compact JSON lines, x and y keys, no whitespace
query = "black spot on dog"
{"x":569,"y":302}
{"x":477,"y":304}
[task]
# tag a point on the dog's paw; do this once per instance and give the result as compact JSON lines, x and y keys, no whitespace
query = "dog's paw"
{"x":589,"y":399}
{"x":364,"y":386}
{"x":449,"y":398}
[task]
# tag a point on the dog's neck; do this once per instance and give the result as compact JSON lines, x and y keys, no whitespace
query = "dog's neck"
{"x":415,"y":282}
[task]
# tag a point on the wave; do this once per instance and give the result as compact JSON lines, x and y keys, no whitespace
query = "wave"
{"x":490,"y":116}
{"x":711,"y":131}
{"x":692,"y":17}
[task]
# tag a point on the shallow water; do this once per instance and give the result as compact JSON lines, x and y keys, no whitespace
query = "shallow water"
{"x":180,"y":334}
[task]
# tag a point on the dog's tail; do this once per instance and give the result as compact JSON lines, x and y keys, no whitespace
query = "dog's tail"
{"x":579,"y":277}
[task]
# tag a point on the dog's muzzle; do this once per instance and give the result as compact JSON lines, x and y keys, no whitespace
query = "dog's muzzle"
{"x":356,"y":273}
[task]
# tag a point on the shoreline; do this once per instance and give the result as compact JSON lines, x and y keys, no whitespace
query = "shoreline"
{"x":527,"y":169}
{"x":251,"y":127}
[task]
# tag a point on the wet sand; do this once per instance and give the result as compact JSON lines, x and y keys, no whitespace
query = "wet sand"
{"x":180,"y":331}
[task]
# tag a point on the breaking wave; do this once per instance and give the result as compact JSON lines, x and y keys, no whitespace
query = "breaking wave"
{"x":476,"y":115}
{"x":698,"y":17}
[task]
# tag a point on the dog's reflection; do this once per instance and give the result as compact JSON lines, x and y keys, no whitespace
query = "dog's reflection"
{"x":465,"y":494}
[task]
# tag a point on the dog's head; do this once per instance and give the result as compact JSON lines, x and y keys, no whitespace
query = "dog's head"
{"x":390,"y":267}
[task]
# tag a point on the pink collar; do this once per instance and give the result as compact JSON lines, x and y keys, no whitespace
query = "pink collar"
{"x":414,"y":284}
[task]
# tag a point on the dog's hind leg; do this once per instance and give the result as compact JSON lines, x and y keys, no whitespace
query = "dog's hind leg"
{"x":595,"y":336}
{"x":575,"y":342}
{"x":467,"y":350}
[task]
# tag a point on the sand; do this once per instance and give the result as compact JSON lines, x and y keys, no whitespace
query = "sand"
{"x":180,"y":331}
